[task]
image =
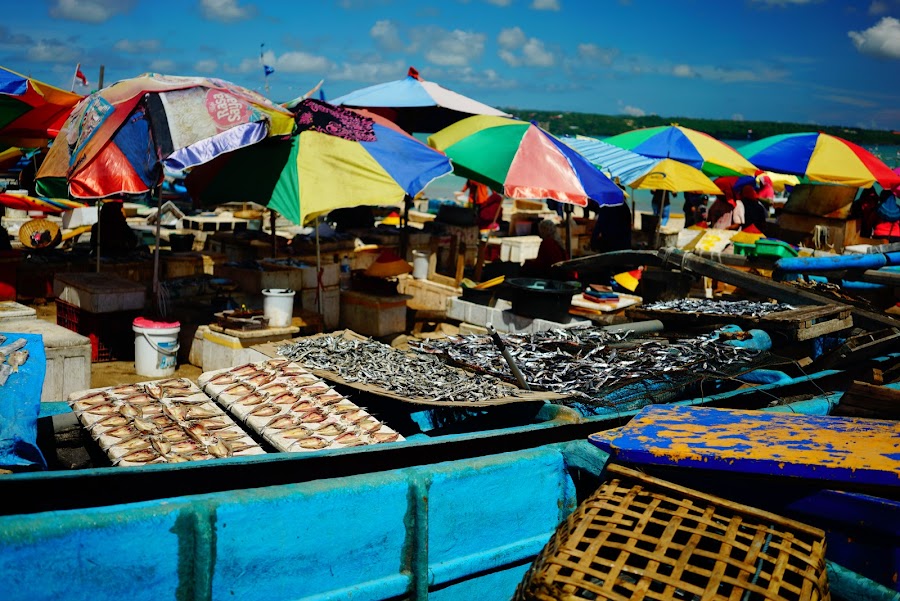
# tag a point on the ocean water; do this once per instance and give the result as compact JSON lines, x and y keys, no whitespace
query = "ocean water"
{"x":446,"y":186}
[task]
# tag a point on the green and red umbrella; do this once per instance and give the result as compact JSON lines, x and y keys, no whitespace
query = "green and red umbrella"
{"x":821,"y":157}
{"x":523,"y":161}
{"x":696,"y":148}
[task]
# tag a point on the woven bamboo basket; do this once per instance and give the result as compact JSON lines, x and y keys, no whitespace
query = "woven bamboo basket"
{"x":639,"y":537}
{"x":40,"y":233}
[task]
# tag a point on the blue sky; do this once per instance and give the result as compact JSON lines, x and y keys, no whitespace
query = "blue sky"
{"x":833,"y":62}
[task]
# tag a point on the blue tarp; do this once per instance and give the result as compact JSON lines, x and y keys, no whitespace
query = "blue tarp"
{"x":20,"y":404}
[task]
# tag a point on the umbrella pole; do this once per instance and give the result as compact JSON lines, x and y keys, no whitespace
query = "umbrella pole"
{"x":155,"y":249}
{"x":659,"y":218}
{"x":319,"y":295}
{"x":97,"y":245}
{"x":568,"y":212}
{"x":272,"y":226}
{"x":404,"y":231}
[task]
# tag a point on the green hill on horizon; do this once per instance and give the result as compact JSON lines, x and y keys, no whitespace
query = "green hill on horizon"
{"x":589,"y":124}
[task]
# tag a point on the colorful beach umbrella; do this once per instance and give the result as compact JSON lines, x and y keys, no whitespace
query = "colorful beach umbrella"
{"x":31,"y":112}
{"x":673,"y":176}
{"x":820,"y":157}
{"x":522,"y":160}
{"x":117,"y":140}
{"x":699,"y":150}
{"x":415,"y":104}
{"x":23,"y":202}
{"x":613,"y":161}
{"x":340,"y":158}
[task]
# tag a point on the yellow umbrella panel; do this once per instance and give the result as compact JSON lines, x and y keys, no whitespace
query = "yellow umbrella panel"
{"x":673,"y":176}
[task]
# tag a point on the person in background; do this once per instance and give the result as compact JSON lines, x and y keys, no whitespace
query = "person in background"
{"x":490,"y":212}
{"x":863,"y":208}
{"x":724,"y":214}
{"x":755,"y":212}
{"x":116,"y":238}
{"x":657,"y":201}
{"x":612,"y":229}
{"x":478,"y":192}
{"x":886,"y":218}
{"x":694,"y":208}
{"x":551,"y":251}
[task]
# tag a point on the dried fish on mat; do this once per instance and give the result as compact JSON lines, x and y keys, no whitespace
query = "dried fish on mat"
{"x":589,"y":364}
{"x":351,"y":359}
{"x":163,"y":421}
{"x":738,"y":308}
{"x":292,"y":408}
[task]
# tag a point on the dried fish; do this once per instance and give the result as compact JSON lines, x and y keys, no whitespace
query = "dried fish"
{"x":742,"y":308}
{"x":17,"y":359}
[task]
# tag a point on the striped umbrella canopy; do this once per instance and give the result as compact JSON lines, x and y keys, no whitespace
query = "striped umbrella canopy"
{"x":31,"y":112}
{"x":614,"y":161}
{"x":822,"y":158}
{"x":523,"y":161}
{"x":415,"y":104}
{"x":669,"y":174}
{"x":24,"y":202}
{"x":700,"y":150}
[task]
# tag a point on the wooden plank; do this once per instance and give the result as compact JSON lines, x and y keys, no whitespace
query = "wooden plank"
{"x":826,"y":448}
{"x":860,"y":348}
{"x":824,"y":327}
{"x":864,"y":398}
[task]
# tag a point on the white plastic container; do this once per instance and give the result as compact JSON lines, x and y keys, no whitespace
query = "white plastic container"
{"x":420,"y":265}
{"x":155,"y":347}
{"x":278,"y":306}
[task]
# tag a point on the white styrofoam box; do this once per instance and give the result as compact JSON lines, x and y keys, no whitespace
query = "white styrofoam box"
{"x":13,"y":310}
{"x":331,"y":304}
{"x":503,"y":319}
{"x":68,"y":357}
{"x":519,"y":248}
{"x":222,"y":350}
{"x":331,"y":273}
{"x":99,"y":292}
{"x":79,"y":217}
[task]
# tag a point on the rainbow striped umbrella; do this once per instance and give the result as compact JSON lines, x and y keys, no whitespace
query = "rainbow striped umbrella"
{"x":523,"y":161}
{"x":821,"y":158}
{"x":699,"y":150}
{"x":31,"y":112}
{"x":23,"y":202}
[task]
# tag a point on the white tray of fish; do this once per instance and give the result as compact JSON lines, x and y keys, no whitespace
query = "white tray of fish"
{"x":161,"y":421}
{"x":292,"y":408}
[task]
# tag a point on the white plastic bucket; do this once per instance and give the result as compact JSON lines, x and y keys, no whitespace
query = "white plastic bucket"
{"x":278,"y":306}
{"x":155,"y":347}
{"x":420,"y":265}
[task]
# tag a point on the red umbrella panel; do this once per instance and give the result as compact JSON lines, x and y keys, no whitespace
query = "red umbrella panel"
{"x":31,"y":112}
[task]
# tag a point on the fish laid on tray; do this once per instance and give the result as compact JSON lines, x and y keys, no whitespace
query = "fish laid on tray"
{"x":741,"y":308}
{"x":292,"y":408}
{"x":163,"y":421}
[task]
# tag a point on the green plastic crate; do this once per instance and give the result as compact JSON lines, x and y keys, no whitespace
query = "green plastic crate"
{"x":774,"y":248}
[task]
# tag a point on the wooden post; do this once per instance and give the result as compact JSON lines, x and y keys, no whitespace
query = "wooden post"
{"x":272,"y":225}
{"x":100,"y":78}
{"x":567,"y":211}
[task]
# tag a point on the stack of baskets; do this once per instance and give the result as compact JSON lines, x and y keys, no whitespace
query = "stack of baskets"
{"x":638,"y":537}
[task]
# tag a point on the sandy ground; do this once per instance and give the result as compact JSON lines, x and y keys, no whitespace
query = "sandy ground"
{"x":112,"y":373}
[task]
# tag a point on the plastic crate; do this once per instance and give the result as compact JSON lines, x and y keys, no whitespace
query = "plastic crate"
{"x":111,"y":336}
{"x":775,"y":248}
{"x":744,"y":249}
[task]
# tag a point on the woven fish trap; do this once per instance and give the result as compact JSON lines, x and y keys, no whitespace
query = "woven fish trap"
{"x":639,"y":537}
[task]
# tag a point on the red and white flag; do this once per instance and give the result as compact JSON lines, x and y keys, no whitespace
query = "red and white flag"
{"x":80,"y":76}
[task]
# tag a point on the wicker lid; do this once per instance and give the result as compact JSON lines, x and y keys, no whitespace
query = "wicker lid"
{"x":40,"y":233}
{"x":387,"y":265}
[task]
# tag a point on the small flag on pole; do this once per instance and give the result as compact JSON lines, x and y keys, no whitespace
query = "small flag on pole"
{"x":79,"y":76}
{"x":268,"y":70}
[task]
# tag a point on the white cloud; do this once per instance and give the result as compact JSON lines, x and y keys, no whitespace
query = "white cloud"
{"x":51,"y":51}
{"x":162,"y":65}
{"x":737,"y":117}
{"x":455,"y":48}
{"x":878,"y":8}
{"x":386,"y":35}
{"x":511,"y":38}
{"x":545,"y":5}
{"x":881,"y":40}
{"x":206,"y":66}
{"x":136,"y":46}
{"x":226,"y":10}
{"x":302,"y":62}
{"x":536,"y":55}
{"x":89,"y":11}
{"x":594,"y":53}
{"x":683,"y":71}
{"x":370,"y":70}
{"x":500,"y":2}
{"x":633,"y":111}
{"x":532,"y":53}
{"x":851,"y":101}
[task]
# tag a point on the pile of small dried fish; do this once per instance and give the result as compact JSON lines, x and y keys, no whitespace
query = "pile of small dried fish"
{"x":293,"y":409}
{"x":738,"y":308}
{"x":413,"y":376}
{"x":587,"y":362}
{"x":12,"y":356}
{"x":164,"y":421}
